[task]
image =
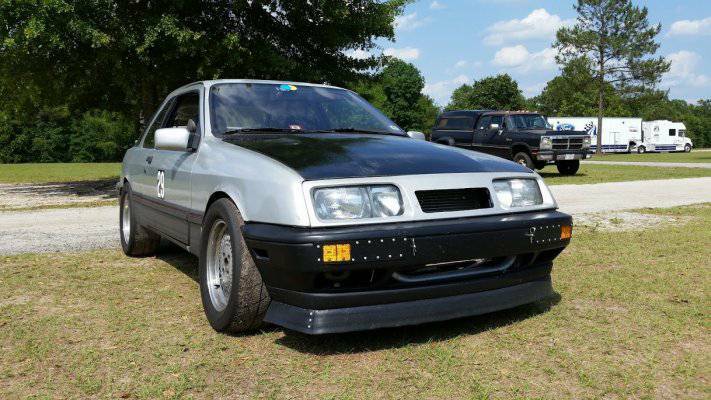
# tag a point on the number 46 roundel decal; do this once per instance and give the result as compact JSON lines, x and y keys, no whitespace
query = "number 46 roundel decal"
{"x":160,"y":187}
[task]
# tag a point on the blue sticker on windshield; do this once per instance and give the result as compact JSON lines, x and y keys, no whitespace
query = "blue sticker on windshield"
{"x":286,"y":88}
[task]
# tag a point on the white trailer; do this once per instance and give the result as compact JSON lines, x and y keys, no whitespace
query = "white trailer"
{"x":664,"y":135}
{"x":619,"y":135}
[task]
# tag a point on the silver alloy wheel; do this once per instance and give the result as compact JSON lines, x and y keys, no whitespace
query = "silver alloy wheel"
{"x":219,"y":265}
{"x":126,"y":220}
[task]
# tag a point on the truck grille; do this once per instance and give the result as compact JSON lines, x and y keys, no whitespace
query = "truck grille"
{"x":432,"y":201}
{"x":567,"y":143}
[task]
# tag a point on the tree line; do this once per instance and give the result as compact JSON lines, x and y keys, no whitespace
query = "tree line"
{"x":79,"y":78}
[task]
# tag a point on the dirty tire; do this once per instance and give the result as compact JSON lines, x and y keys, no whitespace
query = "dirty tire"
{"x":687,"y":148}
{"x":244,"y":307}
{"x":568,"y":167}
{"x":524,"y":159}
{"x":641,"y":149}
{"x":136,"y":241}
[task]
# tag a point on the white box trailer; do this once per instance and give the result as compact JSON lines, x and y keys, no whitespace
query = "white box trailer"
{"x":664,"y":135}
{"x":619,"y":135}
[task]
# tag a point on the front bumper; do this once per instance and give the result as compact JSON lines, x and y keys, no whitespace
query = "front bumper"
{"x":405,"y":273}
{"x":561,"y":155}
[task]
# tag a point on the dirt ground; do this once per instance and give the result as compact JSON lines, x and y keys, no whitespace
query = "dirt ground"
{"x":48,"y":195}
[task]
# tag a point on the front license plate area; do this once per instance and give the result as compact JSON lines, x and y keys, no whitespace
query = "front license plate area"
{"x":545,"y":234}
{"x":363,"y":251}
{"x":567,"y":157}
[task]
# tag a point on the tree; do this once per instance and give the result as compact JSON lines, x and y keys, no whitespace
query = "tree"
{"x":615,"y":35}
{"x":397,"y":91}
{"x":498,"y":92}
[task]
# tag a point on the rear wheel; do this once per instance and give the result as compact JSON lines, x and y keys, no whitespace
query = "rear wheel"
{"x":540,"y":164}
{"x":687,"y":148}
{"x":568,"y":167}
{"x":136,"y":240}
{"x":233,"y":294}
{"x":641,"y":149}
{"x":524,"y":159}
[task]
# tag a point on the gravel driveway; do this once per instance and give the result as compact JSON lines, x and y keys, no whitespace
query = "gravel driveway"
{"x":78,"y":229}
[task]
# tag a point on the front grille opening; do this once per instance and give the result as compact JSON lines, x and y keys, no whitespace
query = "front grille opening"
{"x":434,"y":269}
{"x":567,"y":143}
{"x":448,"y":200}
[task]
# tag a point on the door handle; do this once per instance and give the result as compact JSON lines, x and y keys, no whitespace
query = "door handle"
{"x":149,"y":159}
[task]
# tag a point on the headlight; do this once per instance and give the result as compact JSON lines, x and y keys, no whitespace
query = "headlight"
{"x":546,"y":143}
{"x":355,"y":202}
{"x":518,"y":192}
{"x":586,"y":142}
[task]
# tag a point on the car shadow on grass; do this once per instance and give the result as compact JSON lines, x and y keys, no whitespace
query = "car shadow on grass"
{"x":379,"y":339}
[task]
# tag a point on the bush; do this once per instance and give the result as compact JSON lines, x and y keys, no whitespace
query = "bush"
{"x":99,"y":136}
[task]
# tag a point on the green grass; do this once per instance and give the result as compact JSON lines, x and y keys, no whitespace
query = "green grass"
{"x":591,"y":173}
{"x":631,"y":320}
{"x":59,"y":172}
{"x":693,"y":157}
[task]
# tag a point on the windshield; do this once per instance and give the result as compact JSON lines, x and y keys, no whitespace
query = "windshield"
{"x":529,"y":121}
{"x":269,"y":106}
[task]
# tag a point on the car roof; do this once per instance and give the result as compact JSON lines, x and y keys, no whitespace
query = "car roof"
{"x":212,"y":82}
{"x":463,"y":113}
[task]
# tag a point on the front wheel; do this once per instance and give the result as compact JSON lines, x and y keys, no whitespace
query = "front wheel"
{"x":524,"y":159}
{"x":568,"y":167}
{"x":687,"y":148}
{"x":233,"y":294}
{"x":136,"y":241}
{"x":641,"y":150}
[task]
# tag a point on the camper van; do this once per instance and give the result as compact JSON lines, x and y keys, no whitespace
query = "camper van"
{"x":663,"y":135}
{"x":619,"y":135}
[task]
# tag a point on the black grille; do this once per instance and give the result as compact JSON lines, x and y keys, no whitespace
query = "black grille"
{"x":453,"y":199}
{"x":567,"y":143}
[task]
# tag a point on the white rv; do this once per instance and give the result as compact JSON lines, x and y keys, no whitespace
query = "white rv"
{"x":619,"y":135}
{"x":664,"y":135}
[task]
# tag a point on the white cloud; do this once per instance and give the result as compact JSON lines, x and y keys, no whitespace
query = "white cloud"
{"x":441,"y":91}
{"x":683,"y":70}
{"x":405,"y":53}
{"x":518,"y":57}
{"x":461,"y":64}
{"x":408,"y":22}
{"x":358,"y":54}
{"x":539,"y":24}
{"x":691,"y":27}
{"x":436,"y":5}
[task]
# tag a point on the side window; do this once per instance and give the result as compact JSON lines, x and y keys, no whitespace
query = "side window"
{"x":187,"y":107}
{"x":456,"y":123}
{"x":442,"y":124}
{"x":672,"y":132}
{"x":149,"y":141}
{"x":484,"y":123}
{"x":496,"y":119}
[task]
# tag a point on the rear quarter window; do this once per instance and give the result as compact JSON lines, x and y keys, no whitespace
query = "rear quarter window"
{"x":456,"y":123}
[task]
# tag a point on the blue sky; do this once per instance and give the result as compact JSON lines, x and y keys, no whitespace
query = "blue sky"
{"x":459,"y":41}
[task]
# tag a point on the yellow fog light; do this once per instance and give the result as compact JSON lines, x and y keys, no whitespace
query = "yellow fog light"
{"x":336,"y":252}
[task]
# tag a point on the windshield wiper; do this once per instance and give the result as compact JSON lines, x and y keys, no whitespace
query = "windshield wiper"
{"x":355,"y":130}
{"x":261,"y":130}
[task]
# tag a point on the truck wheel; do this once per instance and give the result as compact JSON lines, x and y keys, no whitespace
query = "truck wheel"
{"x":568,"y":167}
{"x":136,"y":241}
{"x":540,"y":164}
{"x":233,"y":294}
{"x":641,"y":150}
{"x":687,"y":148}
{"x":524,"y":159}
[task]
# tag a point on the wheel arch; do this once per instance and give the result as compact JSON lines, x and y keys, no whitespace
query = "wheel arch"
{"x":224,"y":194}
{"x":519,"y":147}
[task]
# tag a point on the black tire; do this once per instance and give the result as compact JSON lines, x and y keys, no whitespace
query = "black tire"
{"x":136,"y":241}
{"x":248,"y":299}
{"x":524,"y":159}
{"x":569,"y":167}
{"x":540,"y":164}
{"x":687,"y":148}
{"x":641,"y":149}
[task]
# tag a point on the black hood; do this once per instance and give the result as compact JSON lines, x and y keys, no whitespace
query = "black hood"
{"x":330,"y":156}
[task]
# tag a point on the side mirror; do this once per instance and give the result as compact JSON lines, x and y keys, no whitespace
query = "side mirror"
{"x":172,"y":139}
{"x":416,"y":135}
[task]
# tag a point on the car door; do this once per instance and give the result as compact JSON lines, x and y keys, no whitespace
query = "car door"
{"x":499,"y":137}
{"x":481,"y":135}
{"x":172,"y":169}
{"x":142,"y":176}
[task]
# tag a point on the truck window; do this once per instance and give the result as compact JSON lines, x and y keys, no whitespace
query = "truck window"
{"x":456,"y":123}
{"x":496,"y":119}
{"x":484,"y":123}
{"x":682,"y":132}
{"x":672,"y":132}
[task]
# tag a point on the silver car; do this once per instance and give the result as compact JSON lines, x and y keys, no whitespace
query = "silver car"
{"x":310,"y":209}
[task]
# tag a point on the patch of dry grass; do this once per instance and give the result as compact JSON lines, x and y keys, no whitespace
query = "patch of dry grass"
{"x":631,"y":320}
